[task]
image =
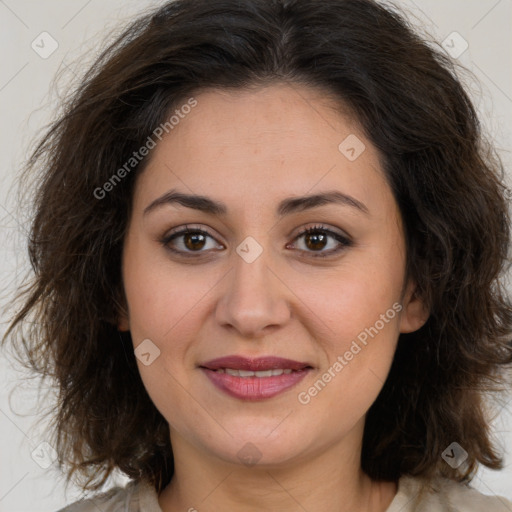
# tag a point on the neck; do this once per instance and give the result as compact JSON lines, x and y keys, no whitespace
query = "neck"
{"x":331,"y":481}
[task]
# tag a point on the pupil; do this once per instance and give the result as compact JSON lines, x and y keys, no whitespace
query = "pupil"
{"x":318,"y":241}
{"x":192,"y":238}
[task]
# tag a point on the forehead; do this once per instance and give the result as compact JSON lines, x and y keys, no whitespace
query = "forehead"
{"x":270,"y":117}
{"x":268,"y":142}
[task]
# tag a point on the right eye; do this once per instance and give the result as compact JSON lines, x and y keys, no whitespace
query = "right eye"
{"x":191,"y":240}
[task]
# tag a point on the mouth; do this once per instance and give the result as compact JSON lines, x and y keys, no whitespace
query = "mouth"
{"x":258,"y":364}
{"x":254,"y":379}
{"x":259,"y":374}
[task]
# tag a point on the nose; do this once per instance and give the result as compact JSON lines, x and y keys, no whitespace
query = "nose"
{"x":255,"y":299}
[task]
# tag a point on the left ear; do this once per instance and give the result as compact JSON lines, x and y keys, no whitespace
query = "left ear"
{"x":414,"y":313}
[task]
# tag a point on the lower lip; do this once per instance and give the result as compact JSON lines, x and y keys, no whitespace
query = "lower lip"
{"x":254,"y":388}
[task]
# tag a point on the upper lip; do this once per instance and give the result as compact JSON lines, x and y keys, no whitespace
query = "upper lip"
{"x":254,"y":364}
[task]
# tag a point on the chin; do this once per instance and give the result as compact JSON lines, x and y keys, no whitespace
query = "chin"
{"x":258,"y":448}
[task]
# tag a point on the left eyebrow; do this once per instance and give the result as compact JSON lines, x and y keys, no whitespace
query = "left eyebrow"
{"x":299,"y":204}
{"x":285,"y":207}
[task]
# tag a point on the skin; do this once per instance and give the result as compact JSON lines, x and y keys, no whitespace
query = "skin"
{"x":250,"y":149}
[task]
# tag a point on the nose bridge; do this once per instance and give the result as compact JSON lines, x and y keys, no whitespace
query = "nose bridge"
{"x":253,"y":298}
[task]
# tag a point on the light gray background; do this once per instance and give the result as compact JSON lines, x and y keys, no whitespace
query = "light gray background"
{"x":27,"y":100}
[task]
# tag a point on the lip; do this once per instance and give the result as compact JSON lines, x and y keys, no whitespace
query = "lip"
{"x":255,"y":388}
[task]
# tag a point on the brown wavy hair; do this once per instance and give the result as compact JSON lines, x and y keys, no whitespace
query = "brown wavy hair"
{"x":446,"y":178}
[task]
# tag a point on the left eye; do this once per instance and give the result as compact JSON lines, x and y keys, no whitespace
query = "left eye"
{"x":317,"y":237}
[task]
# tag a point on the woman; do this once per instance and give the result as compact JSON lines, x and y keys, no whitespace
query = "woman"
{"x":268,"y":246}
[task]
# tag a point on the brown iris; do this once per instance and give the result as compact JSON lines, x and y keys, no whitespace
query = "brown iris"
{"x":194,"y":241}
{"x":317,"y":239}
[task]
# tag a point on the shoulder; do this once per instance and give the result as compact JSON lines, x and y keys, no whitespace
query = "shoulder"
{"x":444,"y":495}
{"x":134,"y":497}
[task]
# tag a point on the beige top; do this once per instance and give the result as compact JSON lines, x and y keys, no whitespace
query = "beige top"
{"x":444,"y":496}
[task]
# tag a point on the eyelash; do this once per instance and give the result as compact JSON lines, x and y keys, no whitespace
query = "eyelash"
{"x":343,"y":240}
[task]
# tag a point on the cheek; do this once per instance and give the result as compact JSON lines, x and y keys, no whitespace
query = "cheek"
{"x":359,"y":329}
{"x":165,"y":309}
{"x":162,"y":296}
{"x":359,"y":350}
{"x":353,"y":299}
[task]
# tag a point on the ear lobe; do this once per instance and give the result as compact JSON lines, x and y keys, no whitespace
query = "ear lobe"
{"x":122,"y":319}
{"x":414,"y":314}
{"x":123,"y":323}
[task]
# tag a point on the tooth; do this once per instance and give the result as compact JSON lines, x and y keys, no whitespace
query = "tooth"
{"x":263,"y":373}
{"x":246,"y":373}
{"x":249,"y":373}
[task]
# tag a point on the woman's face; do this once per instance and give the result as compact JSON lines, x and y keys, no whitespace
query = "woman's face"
{"x":247,"y":282}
